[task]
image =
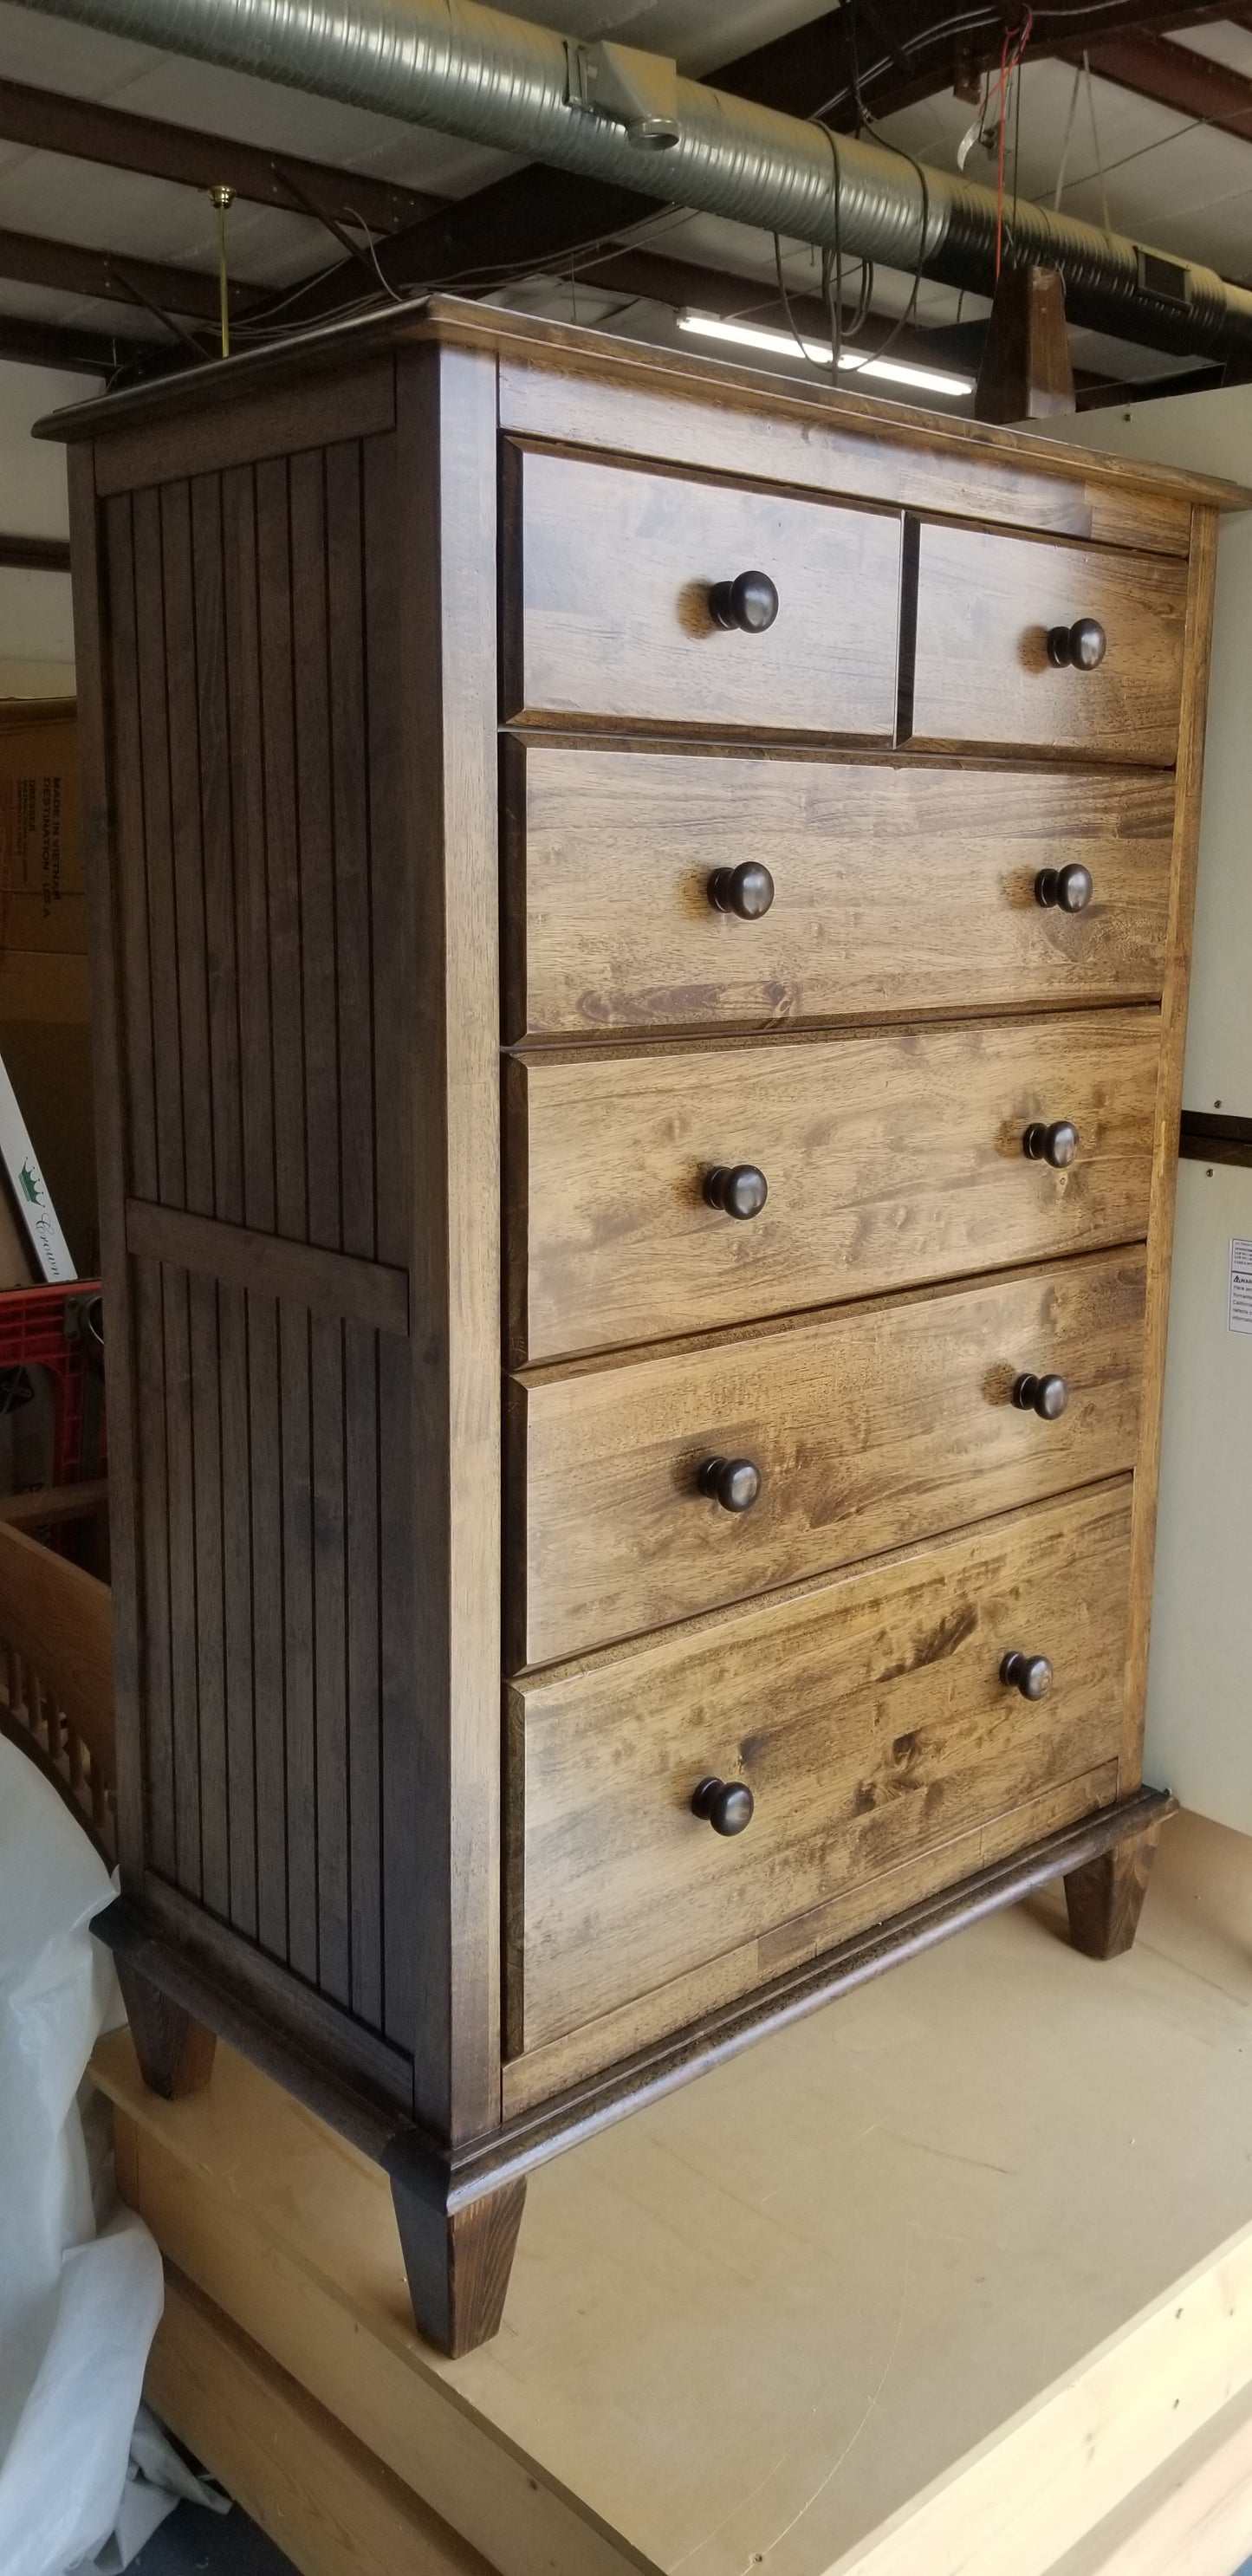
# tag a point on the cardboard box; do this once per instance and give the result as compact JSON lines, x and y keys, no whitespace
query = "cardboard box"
{"x":43,"y":901}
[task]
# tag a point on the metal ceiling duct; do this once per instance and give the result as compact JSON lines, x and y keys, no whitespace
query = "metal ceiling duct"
{"x":609,"y":112}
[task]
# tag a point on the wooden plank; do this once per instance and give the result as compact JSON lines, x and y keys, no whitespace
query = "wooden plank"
{"x":446,"y":538}
{"x":985,"y":605}
{"x":238,"y":1673}
{"x":330,"y":1609}
{"x":187,"y":842}
{"x":268,"y":1626}
{"x":245,"y":711}
{"x":209,"y":1504}
{"x":315,"y":860}
{"x":249,"y":428}
{"x":827,"y":1709}
{"x":153,"y":1715}
{"x":1190,"y":2518}
{"x":158,"y":844}
{"x":609,"y":596}
{"x":353,"y":944}
{"x":871,"y":1427}
{"x":296,"y":1507}
{"x":286,"y":995}
{"x":217,"y":843}
{"x":59,"y":1619}
{"x":180,"y":1500}
{"x":129,"y":855}
{"x":51,"y":1506}
{"x":1027,"y":2376}
{"x":392,"y":901}
{"x":1168,"y":1106}
{"x":718,"y":417}
{"x":330,"y":1283}
{"x":888,"y":1160}
{"x":324,"y":2499}
{"x":362,"y":1660}
{"x":612,"y":928}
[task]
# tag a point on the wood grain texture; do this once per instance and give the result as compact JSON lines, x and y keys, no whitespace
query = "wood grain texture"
{"x":871,"y":1427}
{"x":1105,"y":1899}
{"x":868,"y":1718}
{"x":606,"y":590}
{"x":58,"y":1618}
{"x":985,"y":602}
{"x":890,"y":1160}
{"x":329,"y":1283}
{"x":909,"y":1891}
{"x":892,"y":885}
{"x":457,"y":2263}
{"x":1169,"y":1103}
{"x":245,"y":428}
{"x":447,"y":539}
{"x":325,"y":2500}
{"x":101,"y":760}
{"x":175,"y":2052}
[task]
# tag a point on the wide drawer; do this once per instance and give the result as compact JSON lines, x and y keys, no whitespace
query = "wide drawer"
{"x":894,"y":887}
{"x":888,"y":1159}
{"x":608,"y":603}
{"x":870,"y":1428}
{"x":986,"y":604}
{"x":868,"y":1718}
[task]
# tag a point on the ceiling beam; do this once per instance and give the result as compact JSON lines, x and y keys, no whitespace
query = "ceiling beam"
{"x":1172,"y":76}
{"x":539,"y":217}
{"x":50,"y":344}
{"x":34,"y":554}
{"x":49,"y":121}
{"x":116,"y":278}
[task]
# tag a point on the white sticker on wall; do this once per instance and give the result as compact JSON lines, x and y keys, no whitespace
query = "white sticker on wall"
{"x":1239,"y":1317}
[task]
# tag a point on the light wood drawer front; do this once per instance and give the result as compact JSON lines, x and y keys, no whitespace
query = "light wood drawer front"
{"x":871,"y":1428}
{"x":985,"y":605}
{"x":888,"y":1160}
{"x":612,"y":604}
{"x":868,"y":1718}
{"x":894,"y":887}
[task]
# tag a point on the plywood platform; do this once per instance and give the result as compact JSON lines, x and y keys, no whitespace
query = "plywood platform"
{"x":928,"y":2285}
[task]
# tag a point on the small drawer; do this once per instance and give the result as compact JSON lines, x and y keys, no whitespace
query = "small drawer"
{"x":867,"y":1429}
{"x":870,"y":1722}
{"x":609,"y":614}
{"x":884,"y":1160}
{"x":885,"y":888}
{"x":983,"y":674}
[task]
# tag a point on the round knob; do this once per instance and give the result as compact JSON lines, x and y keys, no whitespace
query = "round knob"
{"x":732,"y":1482}
{"x":747,"y":890}
{"x":726,"y":1805}
{"x":1046,"y":1396}
{"x":1056,"y":1144}
{"x":1070,"y":889}
{"x":749,"y":602}
{"x":1080,"y":647}
{"x":738,"y":1189}
{"x":1029,"y":1674}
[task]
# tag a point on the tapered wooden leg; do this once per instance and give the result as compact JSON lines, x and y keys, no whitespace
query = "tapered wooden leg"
{"x":458,"y":2262}
{"x":1105,"y":1897}
{"x":175,"y":2053}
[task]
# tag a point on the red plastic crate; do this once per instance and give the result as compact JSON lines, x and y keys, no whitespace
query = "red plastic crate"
{"x":59,"y":1329}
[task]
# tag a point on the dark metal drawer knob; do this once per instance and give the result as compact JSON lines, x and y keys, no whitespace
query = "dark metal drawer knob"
{"x":747,"y":890}
{"x":1070,"y":889}
{"x":1029,"y":1674}
{"x":1080,"y":647}
{"x":732,"y":1482}
{"x":1056,"y":1144}
{"x":749,"y":602}
{"x":1046,"y":1396}
{"x":726,"y":1805}
{"x":738,"y":1189}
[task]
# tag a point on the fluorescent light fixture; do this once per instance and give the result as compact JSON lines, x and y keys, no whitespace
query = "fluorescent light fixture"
{"x":894,"y":371}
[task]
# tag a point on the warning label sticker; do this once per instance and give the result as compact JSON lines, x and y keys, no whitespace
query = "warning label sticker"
{"x":1239,"y":1314}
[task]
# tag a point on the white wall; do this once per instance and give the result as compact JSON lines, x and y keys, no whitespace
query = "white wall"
{"x":36,"y":623}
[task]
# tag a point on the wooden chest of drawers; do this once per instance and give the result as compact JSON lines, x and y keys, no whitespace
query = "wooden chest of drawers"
{"x":641,"y":924}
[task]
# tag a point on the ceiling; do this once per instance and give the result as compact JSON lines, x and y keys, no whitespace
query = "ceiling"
{"x":103,"y":262}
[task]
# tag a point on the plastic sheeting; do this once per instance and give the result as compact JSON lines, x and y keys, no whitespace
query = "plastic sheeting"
{"x":78,"y":2308}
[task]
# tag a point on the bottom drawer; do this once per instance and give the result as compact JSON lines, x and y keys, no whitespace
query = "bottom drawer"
{"x":868,"y":1717}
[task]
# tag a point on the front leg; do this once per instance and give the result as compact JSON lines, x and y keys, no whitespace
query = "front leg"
{"x":175,"y":2052}
{"x":1105,"y":1897}
{"x":457,"y":2261}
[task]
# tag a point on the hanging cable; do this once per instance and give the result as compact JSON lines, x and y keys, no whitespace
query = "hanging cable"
{"x":1059,"y":190}
{"x":1095,"y":141}
{"x":222,"y":197}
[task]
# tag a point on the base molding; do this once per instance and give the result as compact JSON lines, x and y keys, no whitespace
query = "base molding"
{"x":436,"y":2185}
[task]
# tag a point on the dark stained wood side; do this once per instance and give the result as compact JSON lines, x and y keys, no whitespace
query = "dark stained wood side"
{"x":331,"y":1283}
{"x":446,"y":533}
{"x":1104,"y":1899}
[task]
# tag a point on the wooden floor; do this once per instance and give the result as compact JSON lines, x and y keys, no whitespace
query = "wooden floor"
{"x":953,"y":2279}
